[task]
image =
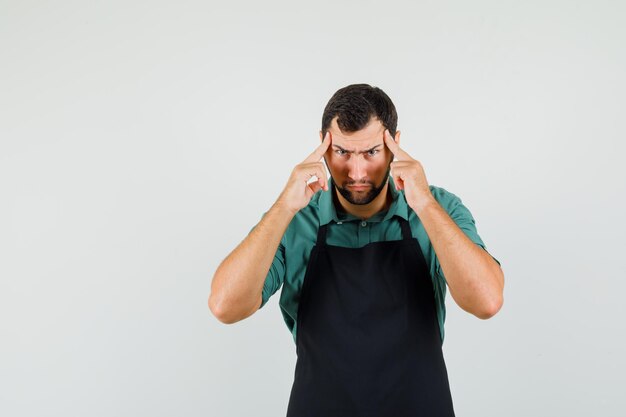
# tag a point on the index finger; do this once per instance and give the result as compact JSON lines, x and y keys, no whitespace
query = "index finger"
{"x":320,"y":151}
{"x":395,"y":148}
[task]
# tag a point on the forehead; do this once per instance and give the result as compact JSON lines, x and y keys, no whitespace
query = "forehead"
{"x":368,"y":137}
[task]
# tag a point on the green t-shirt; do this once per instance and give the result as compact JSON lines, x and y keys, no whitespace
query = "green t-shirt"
{"x":290,"y":261}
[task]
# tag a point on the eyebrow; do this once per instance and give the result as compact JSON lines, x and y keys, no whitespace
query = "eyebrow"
{"x":365,"y":151}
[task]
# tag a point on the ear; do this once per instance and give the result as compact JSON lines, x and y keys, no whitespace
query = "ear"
{"x":398,"y":137}
{"x":321,"y":137}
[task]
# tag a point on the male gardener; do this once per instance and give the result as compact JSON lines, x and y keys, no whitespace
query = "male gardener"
{"x":364,"y":259}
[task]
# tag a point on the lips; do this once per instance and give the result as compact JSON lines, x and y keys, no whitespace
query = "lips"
{"x":358,"y":187}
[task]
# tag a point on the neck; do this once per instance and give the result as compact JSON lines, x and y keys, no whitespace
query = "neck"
{"x":365,"y":211}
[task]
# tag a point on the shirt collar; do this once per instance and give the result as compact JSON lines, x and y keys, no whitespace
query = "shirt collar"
{"x":328,"y":212}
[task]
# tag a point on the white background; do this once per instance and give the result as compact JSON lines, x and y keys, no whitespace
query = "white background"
{"x":140,"y":141}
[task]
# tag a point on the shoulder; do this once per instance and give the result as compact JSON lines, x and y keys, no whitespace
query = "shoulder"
{"x":311,"y":212}
{"x":451,"y":203}
{"x":457,"y":211}
{"x":305,"y":223}
{"x":314,"y":205}
{"x":443,"y":196}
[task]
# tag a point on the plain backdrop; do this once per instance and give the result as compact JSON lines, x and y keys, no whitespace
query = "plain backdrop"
{"x":140,"y":141}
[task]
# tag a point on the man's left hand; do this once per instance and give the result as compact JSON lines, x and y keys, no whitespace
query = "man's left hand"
{"x":409,"y":176}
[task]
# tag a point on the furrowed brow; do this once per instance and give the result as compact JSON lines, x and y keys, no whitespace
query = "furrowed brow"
{"x":366,"y":151}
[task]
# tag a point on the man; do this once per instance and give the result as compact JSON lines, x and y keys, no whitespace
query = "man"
{"x":364,"y":259}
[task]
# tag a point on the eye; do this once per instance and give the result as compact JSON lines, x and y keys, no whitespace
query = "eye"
{"x":373,"y":150}
{"x":339,"y":151}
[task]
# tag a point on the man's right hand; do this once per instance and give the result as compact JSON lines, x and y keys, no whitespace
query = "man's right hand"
{"x":298,"y":193}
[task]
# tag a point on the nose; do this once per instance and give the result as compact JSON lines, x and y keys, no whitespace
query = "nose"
{"x":356,"y":168}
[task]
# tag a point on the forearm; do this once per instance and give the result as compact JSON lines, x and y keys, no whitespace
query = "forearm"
{"x":238,"y":281}
{"x":475,"y":280}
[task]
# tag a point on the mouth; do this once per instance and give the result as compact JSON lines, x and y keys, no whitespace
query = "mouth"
{"x":358,"y":187}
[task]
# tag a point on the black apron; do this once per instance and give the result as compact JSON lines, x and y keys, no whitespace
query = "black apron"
{"x":367,"y":341}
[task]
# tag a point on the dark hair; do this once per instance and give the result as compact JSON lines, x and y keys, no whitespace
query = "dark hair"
{"x":355,"y":105}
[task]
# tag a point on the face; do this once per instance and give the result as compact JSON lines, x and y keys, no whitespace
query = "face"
{"x":359,"y":162}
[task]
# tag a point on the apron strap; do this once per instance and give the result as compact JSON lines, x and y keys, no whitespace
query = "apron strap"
{"x":406,"y":229}
{"x":321,"y":235}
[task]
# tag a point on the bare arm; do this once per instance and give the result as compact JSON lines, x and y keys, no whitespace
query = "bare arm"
{"x":238,"y":281}
{"x":475,"y":280}
{"x":237,"y":285}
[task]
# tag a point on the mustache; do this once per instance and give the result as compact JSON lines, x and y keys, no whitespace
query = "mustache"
{"x":346,"y":184}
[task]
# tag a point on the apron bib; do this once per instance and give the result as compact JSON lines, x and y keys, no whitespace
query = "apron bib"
{"x":368,"y":341}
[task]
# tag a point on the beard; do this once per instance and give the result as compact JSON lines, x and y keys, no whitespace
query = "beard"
{"x":362,"y":197}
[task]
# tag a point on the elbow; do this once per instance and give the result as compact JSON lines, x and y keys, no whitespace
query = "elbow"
{"x":214,"y":308}
{"x":490,"y":309}
{"x":220,"y":313}
{"x":493,"y":305}
{"x":229,"y":312}
{"x":218,"y":304}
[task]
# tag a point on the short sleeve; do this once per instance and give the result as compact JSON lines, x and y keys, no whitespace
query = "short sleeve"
{"x":276,"y":274}
{"x":463,"y":218}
